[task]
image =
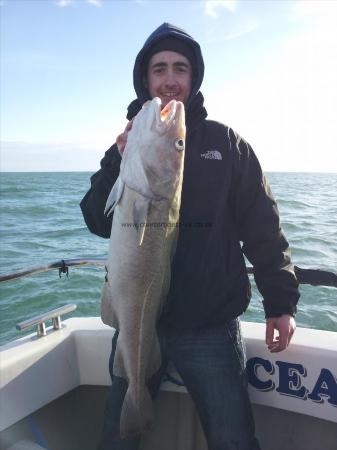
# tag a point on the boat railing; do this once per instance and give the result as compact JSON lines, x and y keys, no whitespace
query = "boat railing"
{"x":62,"y":266}
{"x":314,"y":277}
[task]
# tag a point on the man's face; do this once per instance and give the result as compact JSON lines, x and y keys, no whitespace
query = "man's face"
{"x":169,"y":76}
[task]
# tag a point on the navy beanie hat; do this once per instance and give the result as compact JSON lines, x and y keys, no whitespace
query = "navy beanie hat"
{"x":172,"y":44}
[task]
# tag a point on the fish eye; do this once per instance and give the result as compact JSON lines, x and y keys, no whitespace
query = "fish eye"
{"x":179,"y":144}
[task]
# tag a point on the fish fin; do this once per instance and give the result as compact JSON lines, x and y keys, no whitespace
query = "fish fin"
{"x":174,"y":245}
{"x":137,"y":414}
{"x":108,"y":314}
{"x":140,"y":212}
{"x":114,"y":197}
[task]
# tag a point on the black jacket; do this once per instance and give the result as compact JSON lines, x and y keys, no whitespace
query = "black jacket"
{"x":225,"y":200}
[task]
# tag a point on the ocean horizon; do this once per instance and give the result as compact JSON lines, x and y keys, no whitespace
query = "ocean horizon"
{"x":41,"y":222}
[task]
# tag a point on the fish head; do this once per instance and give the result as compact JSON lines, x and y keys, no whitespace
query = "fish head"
{"x":153,"y":159}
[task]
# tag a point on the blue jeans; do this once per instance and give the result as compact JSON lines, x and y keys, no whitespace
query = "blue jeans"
{"x":211,"y":362}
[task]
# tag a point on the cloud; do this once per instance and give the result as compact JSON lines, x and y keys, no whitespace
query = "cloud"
{"x":97,"y":3}
{"x":211,"y":6}
{"x":244,"y":29}
{"x":65,"y":3}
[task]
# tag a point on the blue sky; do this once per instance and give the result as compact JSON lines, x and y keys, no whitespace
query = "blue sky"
{"x":66,"y":76}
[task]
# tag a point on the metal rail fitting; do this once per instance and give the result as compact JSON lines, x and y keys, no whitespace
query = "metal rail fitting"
{"x":39,"y":321}
{"x":315,"y":277}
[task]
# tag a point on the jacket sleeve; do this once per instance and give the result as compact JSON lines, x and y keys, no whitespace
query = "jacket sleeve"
{"x":93,"y":203}
{"x":257,"y":219}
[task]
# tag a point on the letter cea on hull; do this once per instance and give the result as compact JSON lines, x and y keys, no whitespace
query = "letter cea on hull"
{"x":302,"y":379}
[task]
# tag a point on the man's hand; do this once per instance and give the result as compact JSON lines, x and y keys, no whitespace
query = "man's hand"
{"x":286,"y":326}
{"x":122,"y":138}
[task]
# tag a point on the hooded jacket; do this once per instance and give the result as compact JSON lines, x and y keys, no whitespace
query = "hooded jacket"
{"x":227,"y":210}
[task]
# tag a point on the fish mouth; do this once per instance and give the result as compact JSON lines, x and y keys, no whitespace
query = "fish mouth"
{"x":168,"y":112}
{"x":172,"y":115}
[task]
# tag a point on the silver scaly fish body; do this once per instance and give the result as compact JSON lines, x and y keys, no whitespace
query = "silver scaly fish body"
{"x":146,"y":202}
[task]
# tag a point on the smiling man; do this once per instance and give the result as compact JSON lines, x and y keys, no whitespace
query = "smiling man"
{"x":225,"y":200}
{"x":169,"y":76}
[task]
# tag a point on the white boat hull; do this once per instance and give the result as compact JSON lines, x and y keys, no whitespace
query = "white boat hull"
{"x":298,"y":384}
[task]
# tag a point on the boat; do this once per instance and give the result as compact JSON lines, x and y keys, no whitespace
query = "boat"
{"x":53,"y":384}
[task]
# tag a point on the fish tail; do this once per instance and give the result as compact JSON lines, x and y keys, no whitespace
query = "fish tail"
{"x":136,"y":418}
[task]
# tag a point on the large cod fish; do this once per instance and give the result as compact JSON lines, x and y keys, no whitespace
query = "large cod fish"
{"x":146,"y":202}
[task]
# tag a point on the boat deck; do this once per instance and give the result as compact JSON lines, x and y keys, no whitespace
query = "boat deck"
{"x":53,"y":391}
{"x":73,"y":422}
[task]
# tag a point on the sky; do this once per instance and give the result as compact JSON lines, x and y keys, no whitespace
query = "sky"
{"x":66,"y":77}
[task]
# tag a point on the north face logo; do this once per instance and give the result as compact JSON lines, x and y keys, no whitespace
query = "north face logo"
{"x":212,"y":154}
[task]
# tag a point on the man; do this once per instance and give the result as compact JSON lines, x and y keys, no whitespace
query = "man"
{"x":225,"y":200}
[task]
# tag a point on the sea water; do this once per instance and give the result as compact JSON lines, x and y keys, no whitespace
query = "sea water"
{"x":41,"y":222}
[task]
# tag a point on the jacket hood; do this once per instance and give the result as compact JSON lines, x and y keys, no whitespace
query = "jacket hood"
{"x":167,"y":30}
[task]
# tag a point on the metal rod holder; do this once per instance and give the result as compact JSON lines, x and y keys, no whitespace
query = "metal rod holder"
{"x":57,"y":324}
{"x":41,"y":329}
{"x":39,"y":321}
